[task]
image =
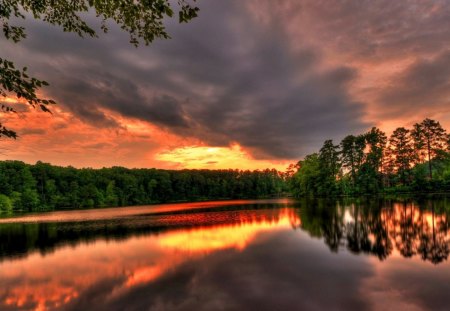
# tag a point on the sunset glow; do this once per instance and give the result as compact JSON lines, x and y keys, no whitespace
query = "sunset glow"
{"x":224,"y":155}
{"x":233,"y":157}
{"x":55,"y":137}
{"x":205,"y":240}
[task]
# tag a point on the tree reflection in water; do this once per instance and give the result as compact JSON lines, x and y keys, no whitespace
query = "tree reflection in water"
{"x":378,"y":226}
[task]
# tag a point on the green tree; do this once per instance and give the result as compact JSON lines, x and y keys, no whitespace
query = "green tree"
{"x":5,"y":203}
{"x":329,"y":167}
{"x":73,"y":195}
{"x":111,"y":198}
{"x":151,"y":186}
{"x":430,"y":136}
{"x":30,"y":199}
{"x":307,"y":179}
{"x":16,"y":199}
{"x":51,"y":193}
{"x":142,"y":19}
{"x":448,"y":142}
{"x":376,"y":140}
{"x":90,"y":196}
{"x":352,"y":154}
{"x":401,"y":152}
{"x":370,"y":172}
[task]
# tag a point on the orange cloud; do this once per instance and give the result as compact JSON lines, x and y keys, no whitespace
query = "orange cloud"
{"x":234,"y":157}
{"x":63,"y":139}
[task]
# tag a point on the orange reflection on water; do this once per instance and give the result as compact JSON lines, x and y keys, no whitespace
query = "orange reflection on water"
{"x":144,"y":275}
{"x":119,"y":212}
{"x":236,"y":236}
{"x":40,"y":282}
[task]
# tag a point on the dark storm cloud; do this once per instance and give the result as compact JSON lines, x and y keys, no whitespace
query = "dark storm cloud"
{"x":227,"y":77}
{"x":98,"y":89}
{"x":291,"y":123}
{"x":222,"y":78}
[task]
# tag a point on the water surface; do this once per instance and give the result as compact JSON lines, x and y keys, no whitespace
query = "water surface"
{"x":366,"y":254}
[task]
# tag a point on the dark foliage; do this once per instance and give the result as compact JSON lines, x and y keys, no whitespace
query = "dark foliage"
{"x":416,"y":160}
{"x":45,"y":187}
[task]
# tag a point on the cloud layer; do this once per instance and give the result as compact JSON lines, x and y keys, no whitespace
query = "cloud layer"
{"x":277,"y":79}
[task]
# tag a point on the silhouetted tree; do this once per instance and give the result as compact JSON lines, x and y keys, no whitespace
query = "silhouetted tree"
{"x":429,"y":135}
{"x":369,"y":175}
{"x":401,"y":152}
{"x":329,"y":163}
{"x":352,"y":153}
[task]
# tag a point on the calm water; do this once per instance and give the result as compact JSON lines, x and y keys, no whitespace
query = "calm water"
{"x":235,"y":255}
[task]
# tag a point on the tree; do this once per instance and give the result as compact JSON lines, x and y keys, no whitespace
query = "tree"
{"x":448,"y":142}
{"x":329,"y":158}
{"x":376,"y":140}
{"x":306,"y":180}
{"x":370,"y":173}
{"x":430,"y":136}
{"x":142,"y":19}
{"x":352,"y":154}
{"x":52,"y":194}
{"x":30,"y":199}
{"x":5,"y":203}
{"x":329,"y":166}
{"x":401,"y":151}
{"x":111,"y":198}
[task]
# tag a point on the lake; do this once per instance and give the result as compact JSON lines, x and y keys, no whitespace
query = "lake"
{"x":282,"y":254}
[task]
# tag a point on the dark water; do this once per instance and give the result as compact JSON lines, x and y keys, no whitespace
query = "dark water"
{"x":368,"y":254}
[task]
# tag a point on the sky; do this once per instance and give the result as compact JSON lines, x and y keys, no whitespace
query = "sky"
{"x":247,"y":84}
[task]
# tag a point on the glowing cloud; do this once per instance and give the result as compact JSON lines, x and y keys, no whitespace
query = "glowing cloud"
{"x":234,"y":157}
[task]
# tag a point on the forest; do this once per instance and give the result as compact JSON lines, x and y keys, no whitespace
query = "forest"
{"x":39,"y":187}
{"x":409,"y":161}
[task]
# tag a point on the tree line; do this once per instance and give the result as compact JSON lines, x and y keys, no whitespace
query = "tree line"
{"x":25,"y":187}
{"x":416,"y":159}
